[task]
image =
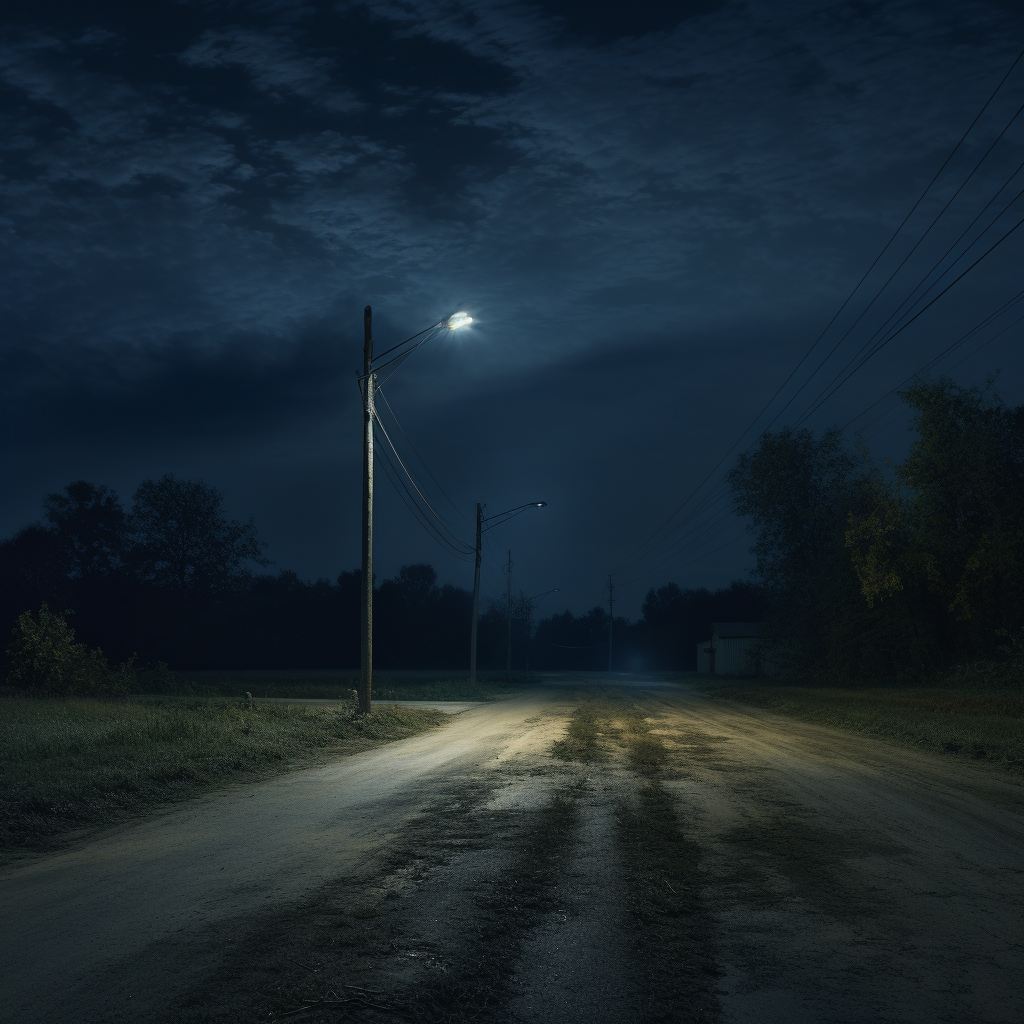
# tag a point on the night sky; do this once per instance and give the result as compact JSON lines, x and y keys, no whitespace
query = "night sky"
{"x":651,"y":210}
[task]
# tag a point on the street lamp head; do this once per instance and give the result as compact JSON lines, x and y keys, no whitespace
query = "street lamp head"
{"x":540,"y":504}
{"x":457,"y":320}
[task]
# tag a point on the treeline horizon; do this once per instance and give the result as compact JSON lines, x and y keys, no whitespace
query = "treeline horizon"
{"x":900,"y":572}
{"x":173,"y":580}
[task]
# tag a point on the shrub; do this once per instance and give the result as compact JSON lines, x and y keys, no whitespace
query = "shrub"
{"x":44,"y":659}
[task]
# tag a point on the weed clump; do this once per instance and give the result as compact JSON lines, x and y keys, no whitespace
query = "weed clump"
{"x":46,"y":661}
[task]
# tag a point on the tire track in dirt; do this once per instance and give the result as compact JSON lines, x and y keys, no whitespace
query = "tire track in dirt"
{"x":637,"y":942}
{"x":557,"y":885}
{"x":434,"y":933}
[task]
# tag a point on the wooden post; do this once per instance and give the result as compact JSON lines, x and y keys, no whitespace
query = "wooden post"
{"x":366,"y":616}
{"x":611,"y":618}
{"x":476,"y":595}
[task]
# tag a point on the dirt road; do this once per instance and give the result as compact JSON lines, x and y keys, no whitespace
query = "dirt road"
{"x":578,"y":853}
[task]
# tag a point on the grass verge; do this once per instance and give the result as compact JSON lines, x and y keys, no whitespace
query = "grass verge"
{"x":327,"y":684}
{"x":956,"y":723}
{"x":68,"y":765}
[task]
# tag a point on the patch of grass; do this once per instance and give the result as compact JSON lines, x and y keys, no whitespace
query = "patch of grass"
{"x":983,"y":726}
{"x":71,"y":764}
{"x":674,"y":937}
{"x":645,"y":753}
{"x":329,"y":685}
{"x":580,"y":740}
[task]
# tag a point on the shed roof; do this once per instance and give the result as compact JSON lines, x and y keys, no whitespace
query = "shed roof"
{"x":727,"y":630}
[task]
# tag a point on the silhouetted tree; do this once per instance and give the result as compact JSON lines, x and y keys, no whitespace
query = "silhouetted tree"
{"x":90,"y":527}
{"x":675,"y":620}
{"x":185,"y":542}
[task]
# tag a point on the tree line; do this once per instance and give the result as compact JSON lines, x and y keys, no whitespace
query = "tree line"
{"x":173,"y":579}
{"x":896,"y":572}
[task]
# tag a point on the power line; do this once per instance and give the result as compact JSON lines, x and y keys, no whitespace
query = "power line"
{"x":410,"y":502}
{"x":946,"y":351}
{"x":419,"y":457}
{"x":426,"y":501}
{"x":655,"y":537}
{"x":837,"y":385}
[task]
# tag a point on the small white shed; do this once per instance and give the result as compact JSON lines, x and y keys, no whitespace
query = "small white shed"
{"x":728,"y":651}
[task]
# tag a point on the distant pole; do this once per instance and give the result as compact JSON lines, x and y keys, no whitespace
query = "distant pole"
{"x":476,"y":594}
{"x":529,"y":632}
{"x":508,"y":610}
{"x":611,"y":618}
{"x":366,"y":616}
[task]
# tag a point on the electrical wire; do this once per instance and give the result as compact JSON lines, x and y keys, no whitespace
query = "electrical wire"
{"x":426,"y":501}
{"x":904,"y":261}
{"x":379,"y":391}
{"x":655,"y":537}
{"x":410,"y":502}
{"x":844,"y":376}
{"x":837,"y":383}
{"x":902,"y":310}
{"x":387,"y":351}
{"x":949,"y":349}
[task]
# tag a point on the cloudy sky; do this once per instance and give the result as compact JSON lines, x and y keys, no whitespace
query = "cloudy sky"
{"x":652,"y":211}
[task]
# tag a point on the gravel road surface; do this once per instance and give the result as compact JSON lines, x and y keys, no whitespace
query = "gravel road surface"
{"x":581,"y":852}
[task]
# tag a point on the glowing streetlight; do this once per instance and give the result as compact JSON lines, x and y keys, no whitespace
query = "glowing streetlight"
{"x":368,"y":383}
{"x":457,"y":320}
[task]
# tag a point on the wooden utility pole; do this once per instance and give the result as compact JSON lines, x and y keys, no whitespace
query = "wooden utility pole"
{"x":476,"y":594}
{"x":611,"y":617}
{"x":508,"y":609}
{"x":366,"y":616}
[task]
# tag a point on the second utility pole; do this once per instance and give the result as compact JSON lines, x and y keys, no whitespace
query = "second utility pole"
{"x":476,"y":595}
{"x":366,"y":613}
{"x":611,"y":617}
{"x":508,"y":607}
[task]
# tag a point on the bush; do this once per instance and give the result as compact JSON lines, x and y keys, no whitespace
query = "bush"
{"x":45,"y":660}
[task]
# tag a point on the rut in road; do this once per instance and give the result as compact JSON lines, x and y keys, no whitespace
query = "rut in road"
{"x":553,"y":886}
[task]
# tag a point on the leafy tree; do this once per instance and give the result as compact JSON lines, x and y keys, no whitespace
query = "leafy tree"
{"x":965,"y":513}
{"x":44,"y":659}
{"x":676,"y":620}
{"x":799,"y":492}
{"x":567,"y":641}
{"x":184,"y":540}
{"x":90,"y":528}
{"x":417,"y":623}
{"x":945,"y":548}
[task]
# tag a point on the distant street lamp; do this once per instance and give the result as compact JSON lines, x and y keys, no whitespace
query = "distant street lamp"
{"x":501,"y":517}
{"x":368,"y":383}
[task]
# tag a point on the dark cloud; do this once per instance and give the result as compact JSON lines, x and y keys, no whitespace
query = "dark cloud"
{"x":606,"y":22}
{"x":650,"y":209}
